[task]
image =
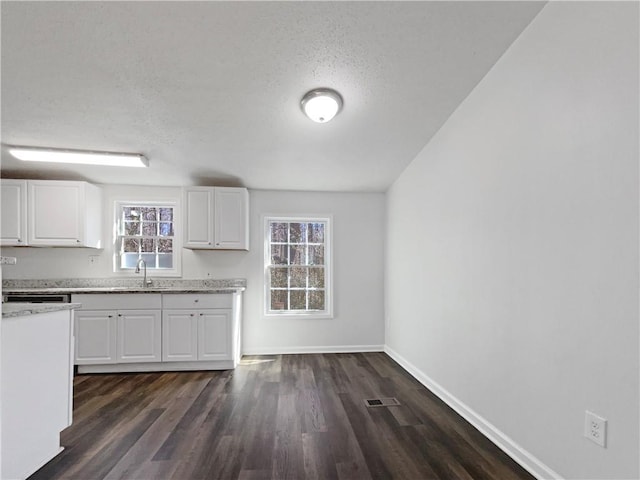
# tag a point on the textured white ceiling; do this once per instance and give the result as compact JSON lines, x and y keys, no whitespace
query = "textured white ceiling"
{"x":210,"y":91}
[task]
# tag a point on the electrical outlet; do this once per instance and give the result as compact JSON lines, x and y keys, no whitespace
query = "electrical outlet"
{"x":595,"y":428}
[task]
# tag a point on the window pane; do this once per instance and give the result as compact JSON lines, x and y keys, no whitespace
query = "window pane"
{"x":165,"y":245}
{"x":296,"y":255}
{"x":298,"y":300}
{"x":131,"y":245}
{"x":128,"y":260}
{"x":298,"y":277}
{"x":315,"y":232}
{"x":166,"y":229}
{"x":149,"y":259}
{"x":316,"y":254}
{"x":149,"y":229}
{"x":279,"y":232}
{"x":279,"y":277}
{"x":149,"y":213}
{"x":316,"y":300}
{"x":279,"y":300}
{"x":132,"y":228}
{"x":279,"y":255}
{"x":165,"y":260}
{"x":166,"y":214}
{"x":131,"y":213}
{"x":148,"y":245}
{"x":297,"y":232}
{"x":316,"y":277}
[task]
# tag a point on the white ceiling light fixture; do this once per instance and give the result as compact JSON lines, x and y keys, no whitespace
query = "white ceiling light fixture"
{"x":321,"y":104}
{"x":84,"y":157}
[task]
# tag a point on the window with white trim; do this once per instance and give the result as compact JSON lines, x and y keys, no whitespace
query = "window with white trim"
{"x":297,"y":266}
{"x":146,"y":231}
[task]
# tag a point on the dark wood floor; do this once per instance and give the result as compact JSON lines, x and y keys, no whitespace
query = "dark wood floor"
{"x":274,"y":417}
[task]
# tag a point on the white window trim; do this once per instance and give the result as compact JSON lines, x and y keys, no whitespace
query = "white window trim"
{"x":176,"y":271}
{"x":328,"y":312}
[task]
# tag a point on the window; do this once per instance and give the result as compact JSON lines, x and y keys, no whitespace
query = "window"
{"x":297,"y":266}
{"x":146,"y":231}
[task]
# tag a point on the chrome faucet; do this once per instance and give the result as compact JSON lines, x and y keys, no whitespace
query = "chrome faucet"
{"x":145,"y":282}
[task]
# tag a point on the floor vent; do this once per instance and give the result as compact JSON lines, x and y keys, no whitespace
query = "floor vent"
{"x":381,"y":402}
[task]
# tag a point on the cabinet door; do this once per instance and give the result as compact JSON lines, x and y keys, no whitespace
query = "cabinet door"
{"x":231,"y":218}
{"x":56,"y":213}
{"x":95,"y":337}
{"x":214,"y":335}
{"x":179,"y":335}
{"x":198,"y":217}
{"x":139,"y":336}
{"x":14,"y":212}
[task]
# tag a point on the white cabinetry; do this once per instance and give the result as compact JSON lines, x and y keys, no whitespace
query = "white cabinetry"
{"x":179,"y":335}
{"x":216,"y":218}
{"x":36,"y":390}
{"x":64,"y":214}
{"x":14,"y":212}
{"x":139,"y":335}
{"x":118,"y":328}
{"x":214,"y":335}
{"x":156,"y":332}
{"x":95,"y":336}
{"x":49,"y":213}
{"x":211,"y":315}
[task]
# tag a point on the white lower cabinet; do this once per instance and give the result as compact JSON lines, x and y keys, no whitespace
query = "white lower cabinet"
{"x":139,"y":334}
{"x":189,"y":335}
{"x":144,"y":332}
{"x":214,"y":335}
{"x":95,"y":337}
{"x":179,"y":336}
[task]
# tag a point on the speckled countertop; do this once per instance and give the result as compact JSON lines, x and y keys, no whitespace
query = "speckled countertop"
{"x":121,"y":285}
{"x":11,"y":310}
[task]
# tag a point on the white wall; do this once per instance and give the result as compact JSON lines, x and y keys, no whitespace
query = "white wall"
{"x":358,"y":229}
{"x":512,"y":246}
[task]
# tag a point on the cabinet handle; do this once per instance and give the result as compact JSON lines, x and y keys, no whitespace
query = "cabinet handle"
{"x":209,"y":243}
{"x":77,"y":241}
{"x":119,"y":314}
{"x":19,"y":240}
{"x":202,"y":314}
{"x":192,"y":314}
{"x":196,"y":300}
{"x":110,"y":316}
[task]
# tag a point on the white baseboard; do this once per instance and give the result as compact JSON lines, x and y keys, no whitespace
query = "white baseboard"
{"x":530,"y":463}
{"x":298,"y":350}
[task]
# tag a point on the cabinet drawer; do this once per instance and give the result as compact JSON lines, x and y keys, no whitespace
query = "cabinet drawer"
{"x":197,"y":300}
{"x":118,"y":301}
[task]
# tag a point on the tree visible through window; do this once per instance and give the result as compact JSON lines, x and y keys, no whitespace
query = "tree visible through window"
{"x":146,"y":232}
{"x":297,"y":265}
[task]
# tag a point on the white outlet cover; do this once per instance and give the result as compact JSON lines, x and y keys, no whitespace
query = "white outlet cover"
{"x":595,"y":428}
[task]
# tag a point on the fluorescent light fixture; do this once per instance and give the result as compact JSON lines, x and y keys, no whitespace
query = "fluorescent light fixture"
{"x":321,"y":104}
{"x":36,"y":154}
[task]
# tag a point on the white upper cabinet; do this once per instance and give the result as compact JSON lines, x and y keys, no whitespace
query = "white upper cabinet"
{"x":198,"y":218}
{"x":231,"y":218}
{"x":216,"y":218}
{"x":49,"y":213}
{"x":14,"y":212}
{"x":64,"y":214}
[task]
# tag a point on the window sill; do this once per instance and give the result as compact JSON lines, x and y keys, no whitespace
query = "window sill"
{"x":301,"y":315}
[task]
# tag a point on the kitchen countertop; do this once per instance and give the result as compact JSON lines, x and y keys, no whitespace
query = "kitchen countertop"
{"x":151,"y":289}
{"x":120,"y":285}
{"x":11,"y":310}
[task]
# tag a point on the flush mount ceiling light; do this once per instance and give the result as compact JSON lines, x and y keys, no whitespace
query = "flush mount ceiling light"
{"x":321,"y":104}
{"x":85,"y":157}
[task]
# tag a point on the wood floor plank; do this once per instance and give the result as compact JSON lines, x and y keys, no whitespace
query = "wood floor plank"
{"x":274,"y":417}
